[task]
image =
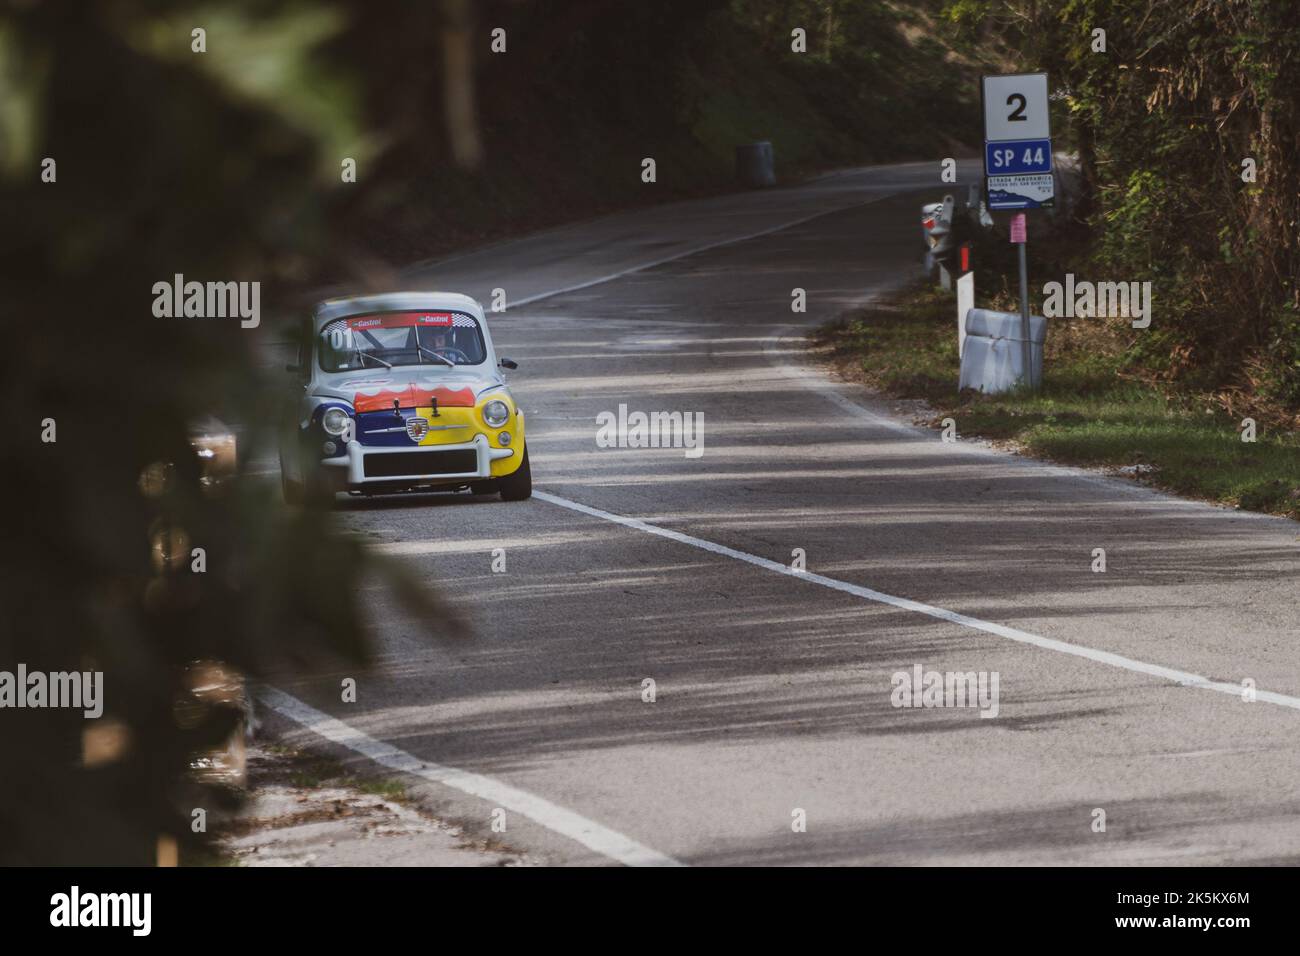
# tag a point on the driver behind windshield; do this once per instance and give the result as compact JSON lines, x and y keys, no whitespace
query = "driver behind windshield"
{"x":393,"y":340}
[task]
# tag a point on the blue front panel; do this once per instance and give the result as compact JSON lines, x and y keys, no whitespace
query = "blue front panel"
{"x":373,"y":428}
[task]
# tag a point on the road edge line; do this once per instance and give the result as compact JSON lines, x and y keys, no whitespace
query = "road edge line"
{"x":708,"y":247}
{"x":595,"y":837}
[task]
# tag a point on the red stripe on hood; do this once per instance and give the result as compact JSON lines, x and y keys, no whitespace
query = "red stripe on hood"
{"x":413,"y":397}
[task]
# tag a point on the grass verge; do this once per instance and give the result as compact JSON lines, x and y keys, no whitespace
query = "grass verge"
{"x":1089,"y":412}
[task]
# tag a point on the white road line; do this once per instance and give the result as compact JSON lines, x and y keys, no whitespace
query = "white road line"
{"x":592,"y":835}
{"x":810,"y":379}
{"x":1185,"y":678}
{"x":813,"y":379}
{"x":697,"y":250}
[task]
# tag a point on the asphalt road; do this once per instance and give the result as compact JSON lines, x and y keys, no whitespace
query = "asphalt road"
{"x":1118,"y":691}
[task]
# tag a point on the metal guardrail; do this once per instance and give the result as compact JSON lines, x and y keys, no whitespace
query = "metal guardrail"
{"x":996,"y":355}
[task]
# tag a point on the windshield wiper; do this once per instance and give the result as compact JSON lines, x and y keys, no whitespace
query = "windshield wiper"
{"x":440,"y":358}
{"x":367,"y":355}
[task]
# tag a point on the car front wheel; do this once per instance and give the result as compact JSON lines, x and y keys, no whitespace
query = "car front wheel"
{"x":518,"y":485}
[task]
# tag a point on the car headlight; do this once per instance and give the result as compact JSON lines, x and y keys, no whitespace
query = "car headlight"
{"x":335,"y":421}
{"x":496,"y":413}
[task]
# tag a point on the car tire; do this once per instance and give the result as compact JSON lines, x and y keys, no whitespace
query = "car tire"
{"x":483,"y":487}
{"x":518,"y":485}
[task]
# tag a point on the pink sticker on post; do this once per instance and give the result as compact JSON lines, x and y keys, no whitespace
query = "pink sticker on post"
{"x":1018,"y":227}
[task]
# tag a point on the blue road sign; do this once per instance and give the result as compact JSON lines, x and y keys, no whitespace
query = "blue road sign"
{"x":1017,"y":157}
{"x":1021,"y":191}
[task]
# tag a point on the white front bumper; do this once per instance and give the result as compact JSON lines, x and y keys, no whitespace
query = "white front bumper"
{"x":357,"y":453}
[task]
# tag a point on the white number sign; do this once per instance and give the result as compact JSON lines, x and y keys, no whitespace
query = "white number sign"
{"x":1015,"y":107}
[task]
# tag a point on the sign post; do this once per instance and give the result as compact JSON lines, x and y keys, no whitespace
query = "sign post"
{"x":1018,"y":163}
{"x":1019,"y":235}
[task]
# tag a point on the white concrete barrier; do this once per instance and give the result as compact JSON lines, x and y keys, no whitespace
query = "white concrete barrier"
{"x":992,"y":355}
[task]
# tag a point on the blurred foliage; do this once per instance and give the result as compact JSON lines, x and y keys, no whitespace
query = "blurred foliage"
{"x":1162,"y":121}
{"x":165,"y":165}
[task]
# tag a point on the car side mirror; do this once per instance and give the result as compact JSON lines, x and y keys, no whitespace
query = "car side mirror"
{"x":508,"y":363}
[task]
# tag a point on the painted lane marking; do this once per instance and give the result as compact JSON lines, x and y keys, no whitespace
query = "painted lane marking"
{"x":1185,"y":678}
{"x":707,"y":247}
{"x":608,"y":843}
{"x":891,"y":190}
{"x":811,"y":378}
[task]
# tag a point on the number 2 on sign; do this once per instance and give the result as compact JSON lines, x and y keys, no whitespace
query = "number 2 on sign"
{"x":1017,"y":115}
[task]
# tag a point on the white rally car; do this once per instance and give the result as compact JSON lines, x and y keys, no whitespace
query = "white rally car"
{"x":399,"y":392}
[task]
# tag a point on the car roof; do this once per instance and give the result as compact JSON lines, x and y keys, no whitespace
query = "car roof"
{"x":332,"y":309}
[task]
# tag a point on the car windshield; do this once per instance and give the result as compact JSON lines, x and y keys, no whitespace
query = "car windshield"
{"x":444,"y":339}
